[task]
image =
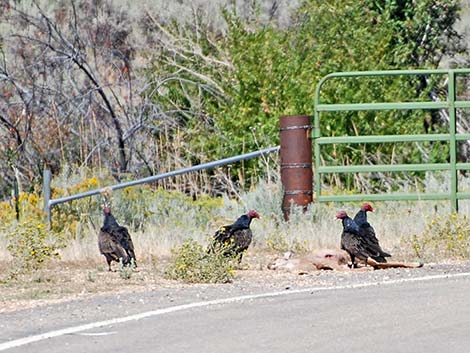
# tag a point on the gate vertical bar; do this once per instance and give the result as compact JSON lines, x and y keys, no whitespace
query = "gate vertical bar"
{"x":316,"y":135}
{"x":454,"y":202}
{"x":296,"y":162}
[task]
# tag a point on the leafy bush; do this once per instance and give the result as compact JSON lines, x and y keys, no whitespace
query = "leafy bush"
{"x":193,"y":264}
{"x":126,"y":271}
{"x":66,"y":217}
{"x":31,"y":244}
{"x":29,"y":205}
{"x":445,"y":237}
{"x":29,"y":241}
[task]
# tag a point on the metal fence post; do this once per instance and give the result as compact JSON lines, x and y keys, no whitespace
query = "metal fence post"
{"x":16,"y":193}
{"x":46,"y":193}
{"x":296,"y":162}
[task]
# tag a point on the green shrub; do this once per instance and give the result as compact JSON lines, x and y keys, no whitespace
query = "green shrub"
{"x":31,"y":244}
{"x":193,"y":264}
{"x":445,"y":238}
{"x":126,"y":271}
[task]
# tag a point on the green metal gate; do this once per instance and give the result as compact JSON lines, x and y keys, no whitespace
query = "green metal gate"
{"x":451,"y":105}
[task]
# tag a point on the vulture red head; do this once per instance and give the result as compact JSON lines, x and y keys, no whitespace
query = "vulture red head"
{"x":341,"y":215}
{"x":367,"y":207}
{"x":253,"y":214}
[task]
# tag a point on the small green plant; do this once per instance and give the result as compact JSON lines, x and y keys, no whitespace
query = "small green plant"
{"x":193,"y":264}
{"x":31,"y":243}
{"x":445,"y":237}
{"x":91,"y":276}
{"x":126,"y":271}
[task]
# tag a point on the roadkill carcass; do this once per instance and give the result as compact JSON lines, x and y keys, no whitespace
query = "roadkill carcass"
{"x":322,"y":259}
{"x":329,"y":259}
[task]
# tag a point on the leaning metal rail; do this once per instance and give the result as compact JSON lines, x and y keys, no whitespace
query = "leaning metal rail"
{"x":49,"y":203}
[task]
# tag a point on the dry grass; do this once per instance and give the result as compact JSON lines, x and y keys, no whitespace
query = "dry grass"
{"x":317,"y":228}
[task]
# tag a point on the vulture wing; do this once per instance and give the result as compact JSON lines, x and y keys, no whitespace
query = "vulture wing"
{"x":121,"y":234}
{"x":352,"y":244}
{"x":223,"y":234}
{"x":242,"y":239}
{"x":111,"y":248}
{"x":371,"y":242}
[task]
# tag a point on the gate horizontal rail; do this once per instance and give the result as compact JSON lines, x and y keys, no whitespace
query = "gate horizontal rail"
{"x":451,"y":105}
{"x":390,"y":138}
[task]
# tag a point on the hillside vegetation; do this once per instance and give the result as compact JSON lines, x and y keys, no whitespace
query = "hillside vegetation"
{"x":140,"y":90}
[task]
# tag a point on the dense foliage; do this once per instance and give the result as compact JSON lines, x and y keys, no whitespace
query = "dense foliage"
{"x":258,"y":72}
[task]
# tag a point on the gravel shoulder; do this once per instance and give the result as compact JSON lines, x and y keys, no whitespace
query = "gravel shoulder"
{"x":24,"y":317}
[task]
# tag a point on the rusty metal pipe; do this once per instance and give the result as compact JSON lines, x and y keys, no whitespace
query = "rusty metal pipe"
{"x":296,"y":162}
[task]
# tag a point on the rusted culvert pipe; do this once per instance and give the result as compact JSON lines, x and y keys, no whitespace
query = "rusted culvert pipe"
{"x":296,"y":162}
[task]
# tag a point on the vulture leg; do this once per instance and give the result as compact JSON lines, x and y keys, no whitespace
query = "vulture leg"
{"x":353,"y":258}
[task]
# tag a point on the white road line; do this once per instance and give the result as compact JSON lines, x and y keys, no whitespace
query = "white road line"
{"x":74,"y":329}
{"x":96,"y":333}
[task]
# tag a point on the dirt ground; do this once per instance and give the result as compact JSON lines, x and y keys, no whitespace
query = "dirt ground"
{"x":62,"y":281}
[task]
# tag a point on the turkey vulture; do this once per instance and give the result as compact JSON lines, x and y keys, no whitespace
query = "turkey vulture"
{"x":236,"y":237}
{"x":353,"y":242}
{"x":368,"y":233}
{"x":115,"y":242}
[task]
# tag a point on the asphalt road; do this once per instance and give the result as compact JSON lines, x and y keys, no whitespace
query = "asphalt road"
{"x":412,"y":316}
